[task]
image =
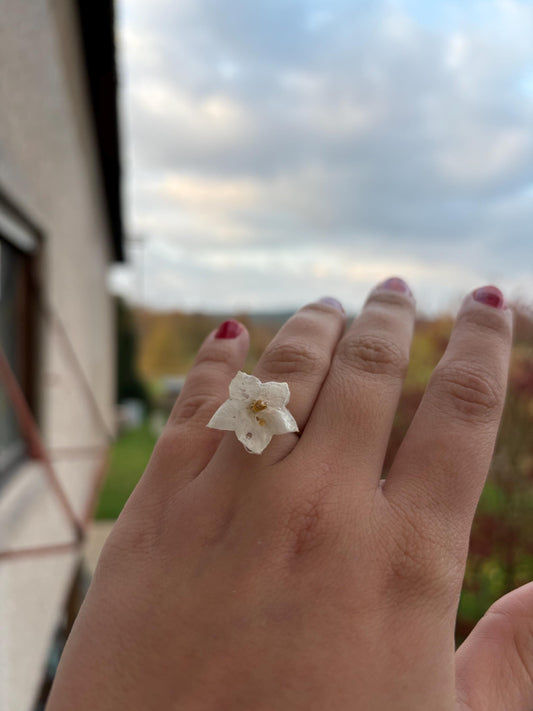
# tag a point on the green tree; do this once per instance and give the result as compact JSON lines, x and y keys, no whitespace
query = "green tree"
{"x":129,"y":384}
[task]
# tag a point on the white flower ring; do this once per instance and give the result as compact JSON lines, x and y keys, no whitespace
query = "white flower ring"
{"x":255,"y":411}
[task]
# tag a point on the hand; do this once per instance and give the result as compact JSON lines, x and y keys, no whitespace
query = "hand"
{"x":296,"y":579}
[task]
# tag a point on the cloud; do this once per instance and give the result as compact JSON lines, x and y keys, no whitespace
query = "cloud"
{"x":362,"y":129}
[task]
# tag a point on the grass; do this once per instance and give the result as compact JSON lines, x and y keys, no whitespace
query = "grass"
{"x":129,"y":457}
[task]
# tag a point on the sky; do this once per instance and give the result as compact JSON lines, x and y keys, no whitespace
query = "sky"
{"x":278,"y":151}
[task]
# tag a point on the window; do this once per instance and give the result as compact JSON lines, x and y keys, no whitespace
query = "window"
{"x":16,"y":245}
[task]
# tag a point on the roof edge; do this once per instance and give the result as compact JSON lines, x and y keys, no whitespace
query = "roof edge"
{"x":97,"y":23}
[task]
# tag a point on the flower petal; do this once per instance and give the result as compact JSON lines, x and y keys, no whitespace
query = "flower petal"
{"x":226,"y":417}
{"x":254,"y":437}
{"x":280,"y":421}
{"x":253,"y":426}
{"x":244,"y":387}
{"x":275,"y":394}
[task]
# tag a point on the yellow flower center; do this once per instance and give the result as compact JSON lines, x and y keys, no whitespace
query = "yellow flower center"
{"x":258,"y":406}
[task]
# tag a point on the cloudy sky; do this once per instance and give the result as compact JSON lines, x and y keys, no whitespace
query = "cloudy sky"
{"x":276,"y":151}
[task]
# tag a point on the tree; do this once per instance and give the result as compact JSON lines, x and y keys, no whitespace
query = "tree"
{"x":129,"y":384}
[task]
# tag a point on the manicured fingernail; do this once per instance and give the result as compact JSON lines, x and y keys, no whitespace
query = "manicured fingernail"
{"x":490,"y":296}
{"x":330,"y":301}
{"x":395,"y":284}
{"x":228,"y":329}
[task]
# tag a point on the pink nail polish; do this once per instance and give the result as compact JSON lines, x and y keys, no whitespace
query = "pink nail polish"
{"x":395,"y":284}
{"x":331,"y":301}
{"x":228,"y":329}
{"x":490,"y":296}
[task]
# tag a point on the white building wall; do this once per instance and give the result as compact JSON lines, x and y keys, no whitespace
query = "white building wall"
{"x":48,"y":164}
{"x":49,"y":168}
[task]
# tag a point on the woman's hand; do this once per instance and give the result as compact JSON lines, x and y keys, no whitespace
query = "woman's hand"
{"x":296,"y":579}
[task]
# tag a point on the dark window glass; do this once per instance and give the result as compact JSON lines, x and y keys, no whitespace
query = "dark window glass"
{"x":12,"y":323}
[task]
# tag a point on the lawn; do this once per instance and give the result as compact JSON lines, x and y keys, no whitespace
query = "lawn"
{"x":129,"y":456}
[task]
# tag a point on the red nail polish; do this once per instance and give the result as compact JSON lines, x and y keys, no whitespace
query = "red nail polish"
{"x":490,"y":295}
{"x":228,"y":329}
{"x":395,"y":284}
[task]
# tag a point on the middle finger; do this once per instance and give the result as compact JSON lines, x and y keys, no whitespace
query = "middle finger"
{"x":352,"y":419}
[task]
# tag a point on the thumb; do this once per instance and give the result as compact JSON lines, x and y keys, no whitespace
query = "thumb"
{"x":494,"y":666}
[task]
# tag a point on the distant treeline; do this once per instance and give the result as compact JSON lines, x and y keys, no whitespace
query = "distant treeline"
{"x":168,"y":342}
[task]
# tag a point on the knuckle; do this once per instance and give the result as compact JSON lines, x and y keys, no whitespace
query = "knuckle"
{"x":406,"y":566}
{"x":417,"y":575}
{"x":210,"y":357}
{"x":174,"y":443}
{"x":289,"y":357}
{"x":140,"y":540}
{"x":387,"y":298}
{"x":166,"y":446}
{"x":137,"y":536}
{"x":165,"y":439}
{"x":422,"y":566}
{"x":489,"y":321}
{"x":196,"y":407}
{"x":373,"y":354}
{"x":309,"y":519}
{"x":467,"y":392}
{"x":303,"y":527}
{"x":317,"y":309}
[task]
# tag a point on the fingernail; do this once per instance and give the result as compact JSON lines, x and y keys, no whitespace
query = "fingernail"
{"x":491,"y":296}
{"x":330,"y":301}
{"x":228,"y":329}
{"x":395,"y":284}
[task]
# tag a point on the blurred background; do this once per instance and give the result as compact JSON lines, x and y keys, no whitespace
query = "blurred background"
{"x":164,"y":166}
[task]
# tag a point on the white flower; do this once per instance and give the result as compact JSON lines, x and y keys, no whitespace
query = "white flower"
{"x":255,"y":411}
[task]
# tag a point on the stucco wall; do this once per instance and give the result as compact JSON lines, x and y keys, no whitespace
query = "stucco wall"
{"x":49,"y":168}
{"x":48,"y":165}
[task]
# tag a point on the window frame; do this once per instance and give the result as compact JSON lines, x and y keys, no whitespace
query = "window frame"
{"x":20,"y":235}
